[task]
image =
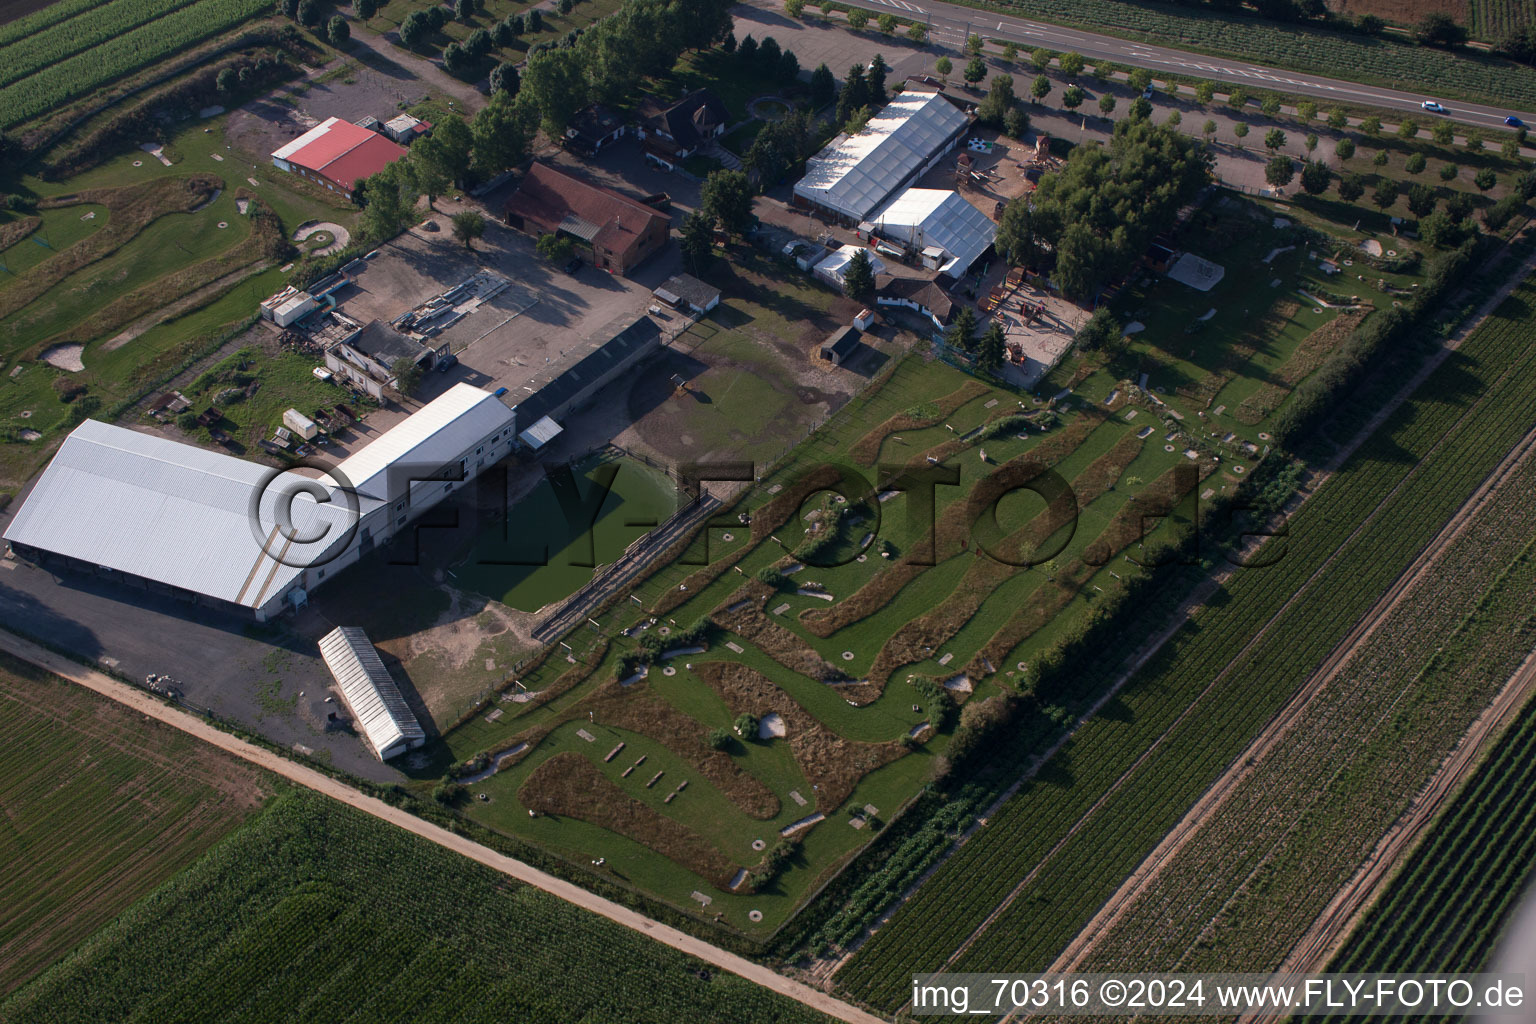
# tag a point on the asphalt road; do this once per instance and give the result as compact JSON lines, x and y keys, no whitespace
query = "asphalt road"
{"x":949,"y":25}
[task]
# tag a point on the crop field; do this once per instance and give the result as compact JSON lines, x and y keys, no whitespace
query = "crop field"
{"x":1314,"y":808}
{"x":1494,"y":19}
{"x":856,"y":622}
{"x":1448,"y":906}
{"x":54,"y":61}
{"x":1378,"y":60}
{"x":1069,"y":837}
{"x":316,"y":912}
{"x":101,"y":806}
{"x":134,"y":269}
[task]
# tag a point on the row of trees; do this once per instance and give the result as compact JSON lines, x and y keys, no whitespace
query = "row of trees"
{"x":1097,"y":214}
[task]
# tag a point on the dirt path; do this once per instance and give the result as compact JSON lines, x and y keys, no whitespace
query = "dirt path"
{"x":1214,"y":798}
{"x":151,"y":707}
{"x":419,"y":68}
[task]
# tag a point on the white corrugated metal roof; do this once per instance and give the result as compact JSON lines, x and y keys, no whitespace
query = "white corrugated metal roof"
{"x":425,"y":441}
{"x":176,"y":514}
{"x":318,"y":131}
{"x":370,"y":692}
{"x":923,"y":217}
{"x":541,"y":433}
{"x":858,"y":173}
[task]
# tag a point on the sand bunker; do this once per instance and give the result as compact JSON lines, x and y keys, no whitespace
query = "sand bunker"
{"x":771,"y":726}
{"x":65,"y":357}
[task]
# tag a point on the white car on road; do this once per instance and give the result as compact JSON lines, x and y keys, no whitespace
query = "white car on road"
{"x":1433,"y":107}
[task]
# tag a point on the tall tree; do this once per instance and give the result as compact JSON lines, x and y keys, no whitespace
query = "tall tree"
{"x":727,"y":199}
{"x":338,"y":31}
{"x":859,"y":277}
{"x":446,"y":151}
{"x":504,"y":78}
{"x":975,"y":71}
{"x":992,"y":350}
{"x":1315,"y":177}
{"x":878,"y":69}
{"x":502,"y":132}
{"x":998,"y":102}
{"x":962,"y":333}
{"x":468,"y":225}
{"x":554,"y":81}
{"x":855,"y":94}
{"x":697,"y":240}
{"x":1279,"y":171}
{"x":823,"y":87}
{"x":391,"y":201}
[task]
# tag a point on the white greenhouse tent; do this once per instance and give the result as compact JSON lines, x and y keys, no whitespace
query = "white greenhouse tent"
{"x":370,"y":693}
{"x":834,"y":267}
{"x":925,"y":219}
{"x":855,"y":174}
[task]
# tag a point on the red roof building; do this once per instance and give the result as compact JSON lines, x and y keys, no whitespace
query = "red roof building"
{"x":620,"y":232}
{"x":336,"y":154}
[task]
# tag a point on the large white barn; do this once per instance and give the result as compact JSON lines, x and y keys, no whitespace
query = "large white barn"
{"x":178,"y":519}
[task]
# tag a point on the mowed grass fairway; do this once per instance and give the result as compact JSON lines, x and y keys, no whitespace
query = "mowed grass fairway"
{"x":315,"y":912}
{"x":152,"y":275}
{"x":100,"y":807}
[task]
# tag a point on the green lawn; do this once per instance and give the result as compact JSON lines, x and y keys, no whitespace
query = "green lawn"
{"x":543,"y":552}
